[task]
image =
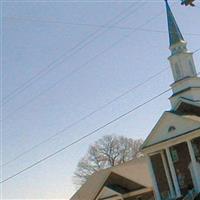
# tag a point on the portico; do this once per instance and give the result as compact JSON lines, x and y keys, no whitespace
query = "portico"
{"x":176,"y":160}
{"x":172,"y":148}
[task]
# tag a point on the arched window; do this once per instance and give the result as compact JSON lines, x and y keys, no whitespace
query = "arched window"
{"x":191,"y":67}
{"x":171,"y":128}
{"x":177,"y":71}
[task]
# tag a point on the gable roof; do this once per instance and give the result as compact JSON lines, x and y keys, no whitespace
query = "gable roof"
{"x":171,"y":125}
{"x":135,"y":171}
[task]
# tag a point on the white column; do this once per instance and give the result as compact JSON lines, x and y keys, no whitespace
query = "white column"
{"x":173,"y":173}
{"x":194,"y":166}
{"x":153,"y":179}
{"x":170,"y":184}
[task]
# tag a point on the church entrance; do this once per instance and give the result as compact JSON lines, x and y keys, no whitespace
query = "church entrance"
{"x":182,"y":162}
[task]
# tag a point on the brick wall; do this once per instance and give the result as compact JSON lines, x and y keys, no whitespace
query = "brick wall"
{"x":182,"y":167}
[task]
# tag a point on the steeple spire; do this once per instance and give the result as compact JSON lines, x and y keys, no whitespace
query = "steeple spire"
{"x":175,"y":35}
{"x":186,"y":83}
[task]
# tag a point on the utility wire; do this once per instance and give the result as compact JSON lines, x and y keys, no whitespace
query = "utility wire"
{"x":24,"y":86}
{"x":81,"y":67}
{"x":73,"y":51}
{"x":91,"y":25}
{"x":84,"y":117}
{"x":91,"y":133}
{"x":167,"y":32}
{"x":85,"y":136}
{"x":80,"y":43}
{"x":68,"y":75}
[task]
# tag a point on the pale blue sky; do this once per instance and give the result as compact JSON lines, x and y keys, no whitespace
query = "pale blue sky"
{"x":37,"y":33}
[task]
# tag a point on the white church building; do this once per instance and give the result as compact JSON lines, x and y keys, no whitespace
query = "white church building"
{"x":173,"y":146}
{"x":171,"y":166}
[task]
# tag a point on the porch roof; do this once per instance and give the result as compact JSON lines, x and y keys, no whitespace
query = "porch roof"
{"x":127,"y":177}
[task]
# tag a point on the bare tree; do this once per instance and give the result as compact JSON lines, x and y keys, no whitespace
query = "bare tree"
{"x":106,"y":152}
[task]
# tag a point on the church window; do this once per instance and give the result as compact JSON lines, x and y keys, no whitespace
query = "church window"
{"x":177,"y":70}
{"x":171,"y":128}
{"x":191,"y":67}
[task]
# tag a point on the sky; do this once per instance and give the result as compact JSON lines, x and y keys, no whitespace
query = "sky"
{"x":61,"y":60}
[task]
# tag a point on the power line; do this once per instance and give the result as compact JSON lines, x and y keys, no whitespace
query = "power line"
{"x":85,"y":136}
{"x":92,"y":25}
{"x":81,"y":67}
{"x":84,"y":117}
{"x":82,"y":41}
{"x":167,"y":32}
{"x":68,"y":75}
{"x":96,"y":130}
{"x":82,"y":44}
{"x":65,"y":23}
{"x":73,"y":48}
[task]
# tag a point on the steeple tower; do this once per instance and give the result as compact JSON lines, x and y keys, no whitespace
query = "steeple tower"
{"x":186,"y":83}
{"x":175,"y":35}
{"x":181,"y":59}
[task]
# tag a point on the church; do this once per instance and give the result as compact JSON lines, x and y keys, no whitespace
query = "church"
{"x":170,"y":168}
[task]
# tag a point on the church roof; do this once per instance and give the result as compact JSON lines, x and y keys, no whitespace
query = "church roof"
{"x":127,"y":176}
{"x":175,"y":34}
{"x":172,"y":125}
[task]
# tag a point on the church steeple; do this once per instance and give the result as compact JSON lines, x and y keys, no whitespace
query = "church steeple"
{"x":175,"y":35}
{"x":186,"y":83}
